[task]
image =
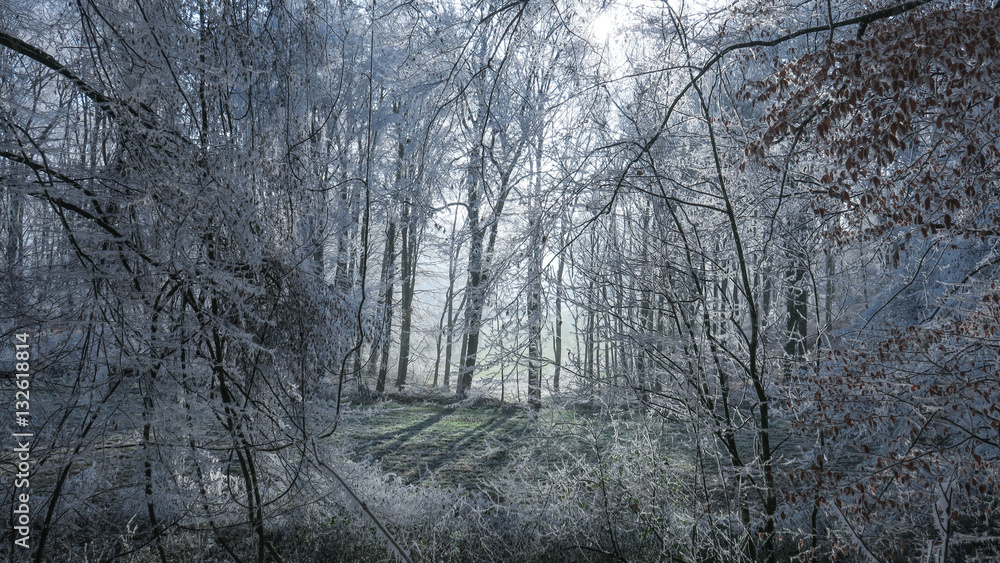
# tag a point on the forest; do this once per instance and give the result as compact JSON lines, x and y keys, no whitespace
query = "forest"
{"x":500,"y":280}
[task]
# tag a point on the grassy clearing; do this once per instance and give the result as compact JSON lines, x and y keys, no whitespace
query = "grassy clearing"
{"x":421,"y":441}
{"x":451,"y":445}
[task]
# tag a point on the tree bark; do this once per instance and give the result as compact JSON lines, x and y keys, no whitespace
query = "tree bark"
{"x":557,"y":337}
{"x":408,"y":267}
{"x":385,"y":302}
{"x":534,"y":311}
{"x":474,"y":294}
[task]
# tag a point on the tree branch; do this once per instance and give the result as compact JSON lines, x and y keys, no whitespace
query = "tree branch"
{"x":864,"y":20}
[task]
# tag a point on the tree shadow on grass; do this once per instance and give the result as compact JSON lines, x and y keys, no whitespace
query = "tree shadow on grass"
{"x":463,"y":445}
{"x":424,"y":454}
{"x":377,"y":448}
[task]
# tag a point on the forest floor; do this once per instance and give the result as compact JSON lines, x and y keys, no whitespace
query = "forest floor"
{"x":421,"y":441}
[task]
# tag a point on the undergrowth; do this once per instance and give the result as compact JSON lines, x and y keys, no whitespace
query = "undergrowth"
{"x":573,"y":489}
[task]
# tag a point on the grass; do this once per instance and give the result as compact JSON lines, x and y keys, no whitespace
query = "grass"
{"x":425,"y":440}
{"x":451,"y":445}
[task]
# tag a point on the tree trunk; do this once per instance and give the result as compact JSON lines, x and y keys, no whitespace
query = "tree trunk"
{"x":450,"y":304}
{"x":796,"y":308}
{"x":442,"y":323}
{"x":385,"y":302}
{"x":408,"y":271}
{"x":535,"y":317}
{"x":534,"y":305}
{"x":557,"y":337}
{"x":474,"y":294}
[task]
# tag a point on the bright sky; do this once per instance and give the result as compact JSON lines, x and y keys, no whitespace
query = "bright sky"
{"x":604,"y":24}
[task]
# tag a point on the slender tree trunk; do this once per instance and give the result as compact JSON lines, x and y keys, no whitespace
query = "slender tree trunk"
{"x":589,"y":340}
{"x":557,"y":338}
{"x":796,"y":308}
{"x":442,"y":323}
{"x":534,"y":311}
{"x":408,"y":268}
{"x":461,"y":354}
{"x":453,"y":252}
{"x":474,"y":294}
{"x":534,"y":305}
{"x":453,"y":316}
{"x":828,"y":298}
{"x":341,"y":276}
{"x":147,"y":464}
{"x":385,"y":300}
{"x":15,"y":232}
